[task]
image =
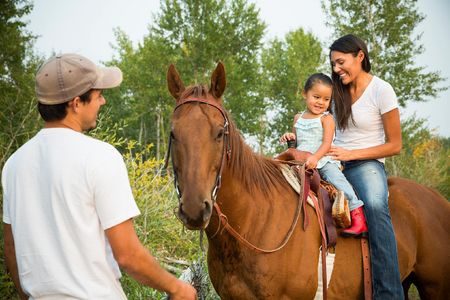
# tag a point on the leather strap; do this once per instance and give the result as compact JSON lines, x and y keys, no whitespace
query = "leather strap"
{"x":328,"y":218}
{"x":367,"y":270}
{"x":325,"y":207}
{"x":223,"y":220}
{"x":305,"y":181}
{"x":324,"y":269}
{"x":319,"y":213}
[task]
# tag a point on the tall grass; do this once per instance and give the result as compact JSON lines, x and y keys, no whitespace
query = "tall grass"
{"x":157,"y":227}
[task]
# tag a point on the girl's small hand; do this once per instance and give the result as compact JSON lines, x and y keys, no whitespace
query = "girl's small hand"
{"x":287,"y":137}
{"x":311,"y":162}
{"x":339,"y":153}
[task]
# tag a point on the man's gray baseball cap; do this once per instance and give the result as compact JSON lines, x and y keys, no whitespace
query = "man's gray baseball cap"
{"x":66,"y":76}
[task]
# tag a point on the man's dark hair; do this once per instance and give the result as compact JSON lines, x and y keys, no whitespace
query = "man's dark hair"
{"x":58,"y":112}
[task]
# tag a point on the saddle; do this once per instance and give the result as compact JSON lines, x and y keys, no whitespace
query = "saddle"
{"x":340,"y":211}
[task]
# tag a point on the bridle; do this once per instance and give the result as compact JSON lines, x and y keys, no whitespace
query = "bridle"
{"x":226,"y":152}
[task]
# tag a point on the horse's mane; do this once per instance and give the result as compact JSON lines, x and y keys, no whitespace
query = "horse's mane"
{"x":256,"y":172}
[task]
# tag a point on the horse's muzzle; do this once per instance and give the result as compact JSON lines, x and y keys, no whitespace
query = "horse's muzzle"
{"x":195,"y":217}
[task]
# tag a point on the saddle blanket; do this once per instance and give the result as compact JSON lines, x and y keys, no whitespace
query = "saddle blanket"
{"x":330,"y":265}
{"x":292,"y":179}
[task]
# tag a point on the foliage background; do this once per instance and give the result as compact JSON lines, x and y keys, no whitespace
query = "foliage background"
{"x":264,"y":86}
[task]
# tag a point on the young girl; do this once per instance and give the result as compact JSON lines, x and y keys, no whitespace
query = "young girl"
{"x":313,"y":130}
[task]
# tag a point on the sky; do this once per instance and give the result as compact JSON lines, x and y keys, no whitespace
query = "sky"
{"x":87,"y":27}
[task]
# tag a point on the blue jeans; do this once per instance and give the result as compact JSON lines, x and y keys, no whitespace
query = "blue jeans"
{"x":369,"y":179}
{"x":330,"y":172}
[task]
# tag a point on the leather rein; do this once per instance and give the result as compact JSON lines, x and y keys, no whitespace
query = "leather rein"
{"x":226,"y":154}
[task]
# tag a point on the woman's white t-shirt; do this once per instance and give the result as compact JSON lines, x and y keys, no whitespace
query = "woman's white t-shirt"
{"x":367,"y":129}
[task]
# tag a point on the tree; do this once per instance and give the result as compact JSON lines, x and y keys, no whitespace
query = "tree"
{"x":204,"y":32}
{"x":194,"y":35}
{"x":142,"y":102}
{"x":18,"y":116}
{"x":387,"y":26}
{"x":286,"y":66}
{"x":424,"y":157}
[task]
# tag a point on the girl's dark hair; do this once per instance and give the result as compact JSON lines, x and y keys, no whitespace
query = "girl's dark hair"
{"x":58,"y":112}
{"x":317,"y":78}
{"x":341,"y":94}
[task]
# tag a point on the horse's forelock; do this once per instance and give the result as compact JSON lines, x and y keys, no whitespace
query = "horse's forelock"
{"x":195,"y":91}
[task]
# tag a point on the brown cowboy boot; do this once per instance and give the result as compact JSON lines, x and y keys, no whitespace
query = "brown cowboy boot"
{"x":359,"y":225}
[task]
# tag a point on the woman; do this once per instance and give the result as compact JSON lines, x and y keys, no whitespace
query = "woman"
{"x":368,"y":130}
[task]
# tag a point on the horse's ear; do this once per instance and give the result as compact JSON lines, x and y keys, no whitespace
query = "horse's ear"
{"x":218,"y":81}
{"x":174,"y":82}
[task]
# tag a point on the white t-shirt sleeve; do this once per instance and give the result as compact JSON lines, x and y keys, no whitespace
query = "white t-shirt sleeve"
{"x":6,"y":218}
{"x":113,"y":197}
{"x":387,"y":99}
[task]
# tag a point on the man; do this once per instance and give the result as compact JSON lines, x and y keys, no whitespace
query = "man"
{"x":68,"y":205}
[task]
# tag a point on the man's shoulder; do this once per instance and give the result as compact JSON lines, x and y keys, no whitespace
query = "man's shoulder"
{"x":22,"y":149}
{"x":96,"y":142}
{"x":98,"y":147}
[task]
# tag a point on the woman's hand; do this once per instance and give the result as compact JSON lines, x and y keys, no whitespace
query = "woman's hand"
{"x":287,"y":137}
{"x":341,"y":154}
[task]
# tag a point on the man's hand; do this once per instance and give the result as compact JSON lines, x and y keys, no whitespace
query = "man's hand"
{"x":138,"y":262}
{"x":184,"y":291}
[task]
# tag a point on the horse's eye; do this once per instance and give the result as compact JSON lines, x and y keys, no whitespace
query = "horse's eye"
{"x":219,"y":134}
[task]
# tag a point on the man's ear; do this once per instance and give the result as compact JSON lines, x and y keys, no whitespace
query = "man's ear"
{"x":74,"y":104}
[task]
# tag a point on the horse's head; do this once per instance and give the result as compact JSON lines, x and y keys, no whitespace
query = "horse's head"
{"x":198,"y":145}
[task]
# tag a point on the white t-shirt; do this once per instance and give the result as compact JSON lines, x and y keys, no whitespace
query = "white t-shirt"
{"x":368,"y":131}
{"x":62,"y":189}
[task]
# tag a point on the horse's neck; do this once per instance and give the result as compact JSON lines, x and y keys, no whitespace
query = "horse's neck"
{"x":253,"y":188}
{"x":241,"y":197}
{"x":248,"y":174}
{"x":234,"y":196}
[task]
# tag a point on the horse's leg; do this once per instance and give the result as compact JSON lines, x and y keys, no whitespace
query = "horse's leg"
{"x":347,"y":277}
{"x":407,"y":284}
{"x":432,"y":289}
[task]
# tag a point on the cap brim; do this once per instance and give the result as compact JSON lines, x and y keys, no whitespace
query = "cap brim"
{"x":108,"y":78}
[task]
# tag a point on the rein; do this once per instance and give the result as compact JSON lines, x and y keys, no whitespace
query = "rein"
{"x":224,"y":221}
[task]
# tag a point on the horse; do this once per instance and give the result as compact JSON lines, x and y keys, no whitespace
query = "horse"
{"x":218,"y":177}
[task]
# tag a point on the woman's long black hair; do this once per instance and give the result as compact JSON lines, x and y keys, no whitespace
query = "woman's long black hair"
{"x":341,"y":94}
